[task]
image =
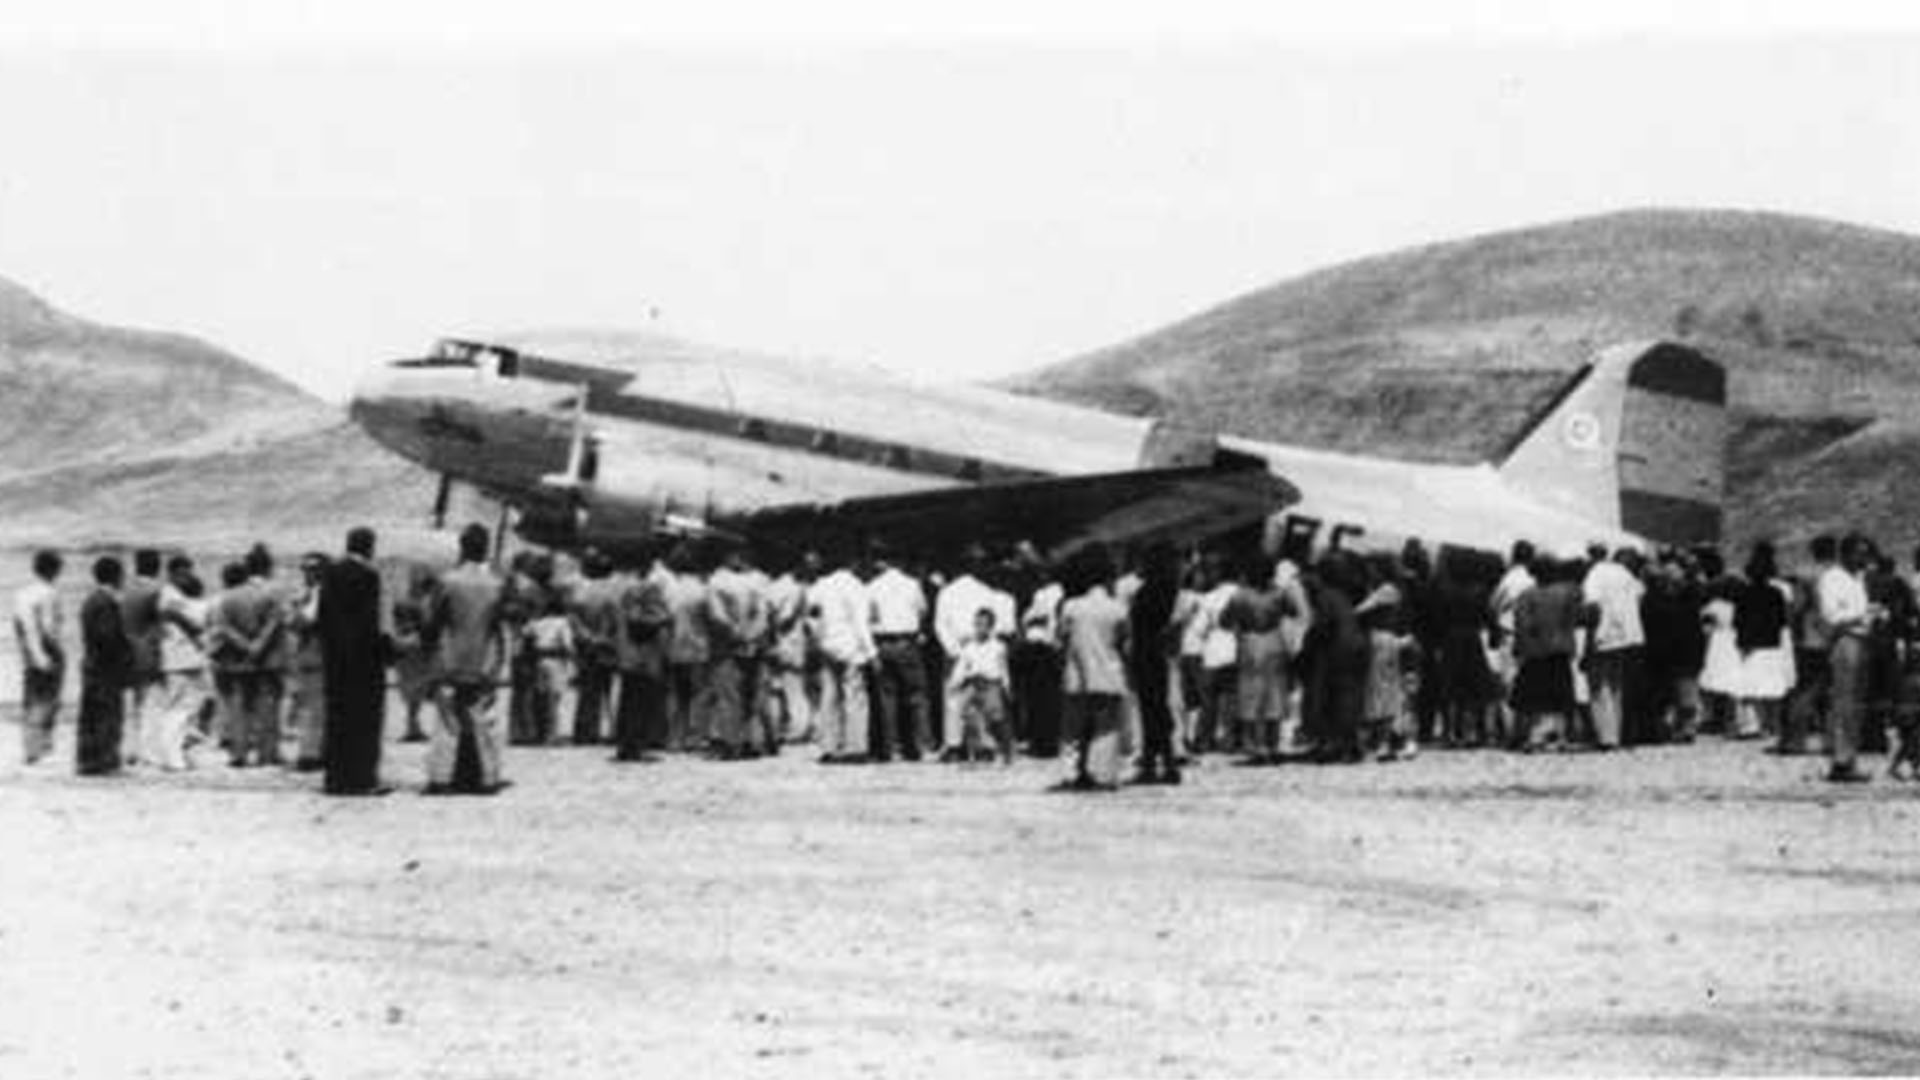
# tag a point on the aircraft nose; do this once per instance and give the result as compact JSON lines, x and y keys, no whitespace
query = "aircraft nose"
{"x":384,"y":409}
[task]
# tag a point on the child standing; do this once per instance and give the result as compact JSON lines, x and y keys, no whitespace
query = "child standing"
{"x":980,"y":683}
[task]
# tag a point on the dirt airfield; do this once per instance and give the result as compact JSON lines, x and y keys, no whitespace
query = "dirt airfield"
{"x":1675,"y":910}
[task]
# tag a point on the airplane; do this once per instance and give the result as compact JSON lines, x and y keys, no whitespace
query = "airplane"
{"x":616,"y":440}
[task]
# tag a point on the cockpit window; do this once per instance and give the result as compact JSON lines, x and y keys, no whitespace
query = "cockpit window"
{"x":447,"y":353}
{"x":460,"y":352}
{"x":492,"y":360}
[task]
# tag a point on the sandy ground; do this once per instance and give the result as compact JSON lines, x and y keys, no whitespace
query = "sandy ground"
{"x":1704,"y":909}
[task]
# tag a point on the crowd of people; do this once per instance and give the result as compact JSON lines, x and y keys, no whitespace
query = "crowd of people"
{"x":1157,"y":657}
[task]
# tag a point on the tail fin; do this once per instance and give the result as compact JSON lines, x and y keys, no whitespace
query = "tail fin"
{"x":1636,"y":440}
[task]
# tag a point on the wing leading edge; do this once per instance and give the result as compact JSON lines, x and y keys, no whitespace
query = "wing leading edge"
{"x":1058,"y":514}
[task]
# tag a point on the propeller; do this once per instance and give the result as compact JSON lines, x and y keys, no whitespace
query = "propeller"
{"x":570,"y":479}
{"x":577,"y":449}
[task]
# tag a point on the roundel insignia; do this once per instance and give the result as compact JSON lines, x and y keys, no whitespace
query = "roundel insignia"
{"x":1583,"y":431}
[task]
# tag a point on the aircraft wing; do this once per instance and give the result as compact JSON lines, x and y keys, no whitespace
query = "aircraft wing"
{"x":1058,"y":514}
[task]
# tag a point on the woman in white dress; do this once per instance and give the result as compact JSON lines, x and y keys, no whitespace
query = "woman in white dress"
{"x":1720,"y":681}
{"x":1761,"y":633}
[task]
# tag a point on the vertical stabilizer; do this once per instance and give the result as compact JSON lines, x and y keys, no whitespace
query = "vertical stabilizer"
{"x":1636,"y":441}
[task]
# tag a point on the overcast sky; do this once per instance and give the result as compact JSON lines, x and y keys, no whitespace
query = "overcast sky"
{"x":920,"y":196}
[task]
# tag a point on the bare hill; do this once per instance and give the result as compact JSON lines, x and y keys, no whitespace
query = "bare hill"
{"x":113,"y":436}
{"x":1440,"y":352}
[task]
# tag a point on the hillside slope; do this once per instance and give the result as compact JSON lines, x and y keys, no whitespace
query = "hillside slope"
{"x":116,"y":436}
{"x":1441,"y":352}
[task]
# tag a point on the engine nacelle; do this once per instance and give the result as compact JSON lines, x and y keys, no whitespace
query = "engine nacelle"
{"x":554,"y":525}
{"x":573,"y":517}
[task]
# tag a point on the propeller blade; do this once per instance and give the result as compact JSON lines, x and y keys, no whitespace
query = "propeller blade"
{"x":577,"y":447}
{"x":441,"y":499}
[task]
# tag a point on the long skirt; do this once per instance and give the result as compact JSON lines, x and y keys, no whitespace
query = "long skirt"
{"x":1466,"y":678}
{"x":1544,"y":685}
{"x":1766,"y":674}
{"x":1722,"y":670}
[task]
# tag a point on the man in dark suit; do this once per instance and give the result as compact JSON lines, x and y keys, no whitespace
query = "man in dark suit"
{"x":353,"y":656}
{"x":140,"y":616}
{"x":106,"y":667}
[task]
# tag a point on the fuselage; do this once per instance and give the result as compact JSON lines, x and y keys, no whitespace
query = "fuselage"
{"x":675,"y":432}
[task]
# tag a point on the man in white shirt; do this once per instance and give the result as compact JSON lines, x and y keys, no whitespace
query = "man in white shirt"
{"x":838,"y":622}
{"x":1614,"y":594}
{"x":306,"y":678}
{"x":185,"y":687}
{"x":1841,"y":593}
{"x":38,"y":626}
{"x":1515,"y":583}
{"x":1219,"y":665}
{"x":953,"y":613}
{"x":898,"y":607}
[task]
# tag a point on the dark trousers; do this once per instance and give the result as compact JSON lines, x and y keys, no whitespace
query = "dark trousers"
{"x":1806,"y":709}
{"x":1848,"y":662}
{"x":595,"y":685}
{"x":1036,"y":697}
{"x":901,"y":701}
{"x":687,"y":709}
{"x":1219,"y":703}
{"x":641,"y":722}
{"x":103,"y":706}
{"x":1150,"y":687}
{"x":523,"y":717}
